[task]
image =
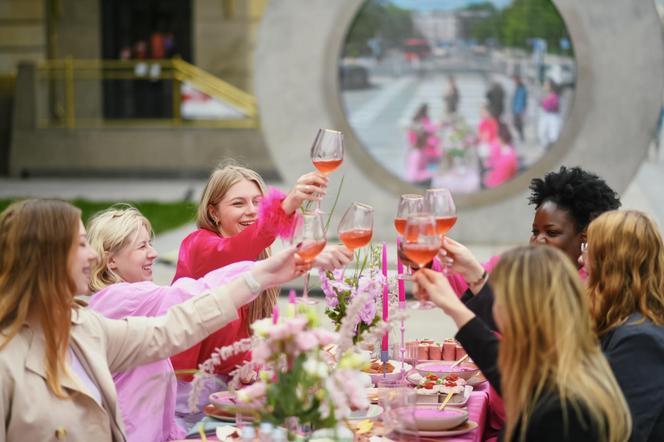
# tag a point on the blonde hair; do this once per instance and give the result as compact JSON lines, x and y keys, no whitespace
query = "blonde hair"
{"x":221,"y":180}
{"x":548,"y":344}
{"x":110,"y":231}
{"x":38,"y":240}
{"x":626,"y":259}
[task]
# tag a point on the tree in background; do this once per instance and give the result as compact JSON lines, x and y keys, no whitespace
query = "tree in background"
{"x":378,"y":18}
{"x":517,"y":24}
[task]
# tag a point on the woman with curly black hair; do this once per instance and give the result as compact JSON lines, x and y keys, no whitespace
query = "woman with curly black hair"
{"x":565,"y":203}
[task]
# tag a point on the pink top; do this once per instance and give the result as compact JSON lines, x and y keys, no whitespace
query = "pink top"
{"x":550,"y":102}
{"x":502,"y":164}
{"x":203,"y":250}
{"x":460,"y":286}
{"x":146,"y":394}
{"x":416,"y":166}
{"x":488,"y":130}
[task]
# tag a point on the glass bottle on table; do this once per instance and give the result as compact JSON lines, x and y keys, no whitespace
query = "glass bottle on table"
{"x":309,"y":236}
{"x":421,"y":244}
{"x":356,"y":227}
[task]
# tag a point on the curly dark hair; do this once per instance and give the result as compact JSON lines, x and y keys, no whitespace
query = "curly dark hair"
{"x":583,"y":194}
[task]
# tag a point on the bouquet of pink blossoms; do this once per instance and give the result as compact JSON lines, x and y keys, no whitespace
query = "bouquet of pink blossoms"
{"x":296,"y":380}
{"x":364,"y":286}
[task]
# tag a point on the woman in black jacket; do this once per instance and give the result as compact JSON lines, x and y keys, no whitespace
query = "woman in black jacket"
{"x":624,"y":259}
{"x":549,"y":368}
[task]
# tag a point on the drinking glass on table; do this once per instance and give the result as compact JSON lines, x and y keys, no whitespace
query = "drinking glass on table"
{"x":309,"y":235}
{"x":398,"y":403}
{"x":327,"y":151}
{"x":421,"y":244}
{"x":440,"y":204}
{"x":356,"y":226}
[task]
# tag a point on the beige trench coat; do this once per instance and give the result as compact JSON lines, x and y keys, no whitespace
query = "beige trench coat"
{"x":104,"y":346}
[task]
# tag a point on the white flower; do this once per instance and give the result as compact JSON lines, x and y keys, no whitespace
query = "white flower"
{"x":262,"y":327}
{"x":315,"y":368}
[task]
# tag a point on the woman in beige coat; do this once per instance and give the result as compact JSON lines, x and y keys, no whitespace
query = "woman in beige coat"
{"x":56,"y":358}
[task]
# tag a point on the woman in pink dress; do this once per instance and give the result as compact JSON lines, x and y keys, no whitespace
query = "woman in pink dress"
{"x":502,"y":163}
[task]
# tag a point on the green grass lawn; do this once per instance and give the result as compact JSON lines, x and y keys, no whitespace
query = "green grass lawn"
{"x":163,"y":216}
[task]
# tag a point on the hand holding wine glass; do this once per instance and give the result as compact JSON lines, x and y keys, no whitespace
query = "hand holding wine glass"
{"x":309,"y":236}
{"x":356,"y":227}
{"x":309,"y":187}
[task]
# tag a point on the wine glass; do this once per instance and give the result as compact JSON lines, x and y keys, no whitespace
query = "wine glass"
{"x":309,"y":235}
{"x":440,"y":204}
{"x":327,"y":152}
{"x":356,"y":226}
{"x":409,"y":204}
{"x":421,"y":244}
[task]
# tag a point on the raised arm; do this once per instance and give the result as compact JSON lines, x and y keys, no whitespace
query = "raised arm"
{"x":475,"y":337}
{"x":137,"y":340}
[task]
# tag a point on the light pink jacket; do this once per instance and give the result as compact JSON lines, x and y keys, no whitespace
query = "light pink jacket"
{"x":146,"y":394}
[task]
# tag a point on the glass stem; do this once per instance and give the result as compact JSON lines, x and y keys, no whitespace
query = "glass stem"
{"x":305,"y":289}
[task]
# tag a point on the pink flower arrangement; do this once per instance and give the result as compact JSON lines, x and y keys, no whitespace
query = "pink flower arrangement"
{"x":366,"y":283}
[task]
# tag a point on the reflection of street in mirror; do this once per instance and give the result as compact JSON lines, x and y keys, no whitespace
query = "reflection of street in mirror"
{"x":457,"y":94}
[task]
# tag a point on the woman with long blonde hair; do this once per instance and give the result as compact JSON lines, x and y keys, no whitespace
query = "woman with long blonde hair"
{"x":122,"y":286}
{"x":238,"y":219}
{"x":624,"y":258}
{"x":549,"y":367}
{"x":56,"y":358}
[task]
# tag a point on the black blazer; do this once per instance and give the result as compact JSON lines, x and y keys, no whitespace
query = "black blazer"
{"x":635,"y":351}
{"x":546,"y":423}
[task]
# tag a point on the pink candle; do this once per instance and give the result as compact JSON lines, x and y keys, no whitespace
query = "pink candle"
{"x":385,"y":344}
{"x":401,"y":283}
{"x":291,"y":296}
{"x":275,"y":314}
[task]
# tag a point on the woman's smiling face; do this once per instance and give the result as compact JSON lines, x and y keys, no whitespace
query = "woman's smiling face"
{"x":238,"y":209}
{"x":554,"y":226}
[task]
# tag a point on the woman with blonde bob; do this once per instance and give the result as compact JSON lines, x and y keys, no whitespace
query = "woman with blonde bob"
{"x":548,"y":365}
{"x":122,"y":286}
{"x":238,"y":219}
{"x":56,"y":358}
{"x":624,"y":258}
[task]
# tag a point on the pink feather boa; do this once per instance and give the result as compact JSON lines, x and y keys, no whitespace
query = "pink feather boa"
{"x":271,"y":213}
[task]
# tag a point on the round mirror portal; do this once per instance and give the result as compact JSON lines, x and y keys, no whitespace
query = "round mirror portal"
{"x":460,"y":94}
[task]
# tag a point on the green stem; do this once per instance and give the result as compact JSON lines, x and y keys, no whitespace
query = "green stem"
{"x":336,"y":200}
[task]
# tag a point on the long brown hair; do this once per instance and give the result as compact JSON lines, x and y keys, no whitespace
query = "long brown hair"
{"x":37,"y":239}
{"x":548,"y":344}
{"x":221,"y":180}
{"x":110,"y":231}
{"x":625,"y":257}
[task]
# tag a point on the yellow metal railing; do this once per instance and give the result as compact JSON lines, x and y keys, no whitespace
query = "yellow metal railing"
{"x":65,"y":73}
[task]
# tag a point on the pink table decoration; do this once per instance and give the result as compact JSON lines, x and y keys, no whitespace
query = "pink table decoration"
{"x":385,"y":343}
